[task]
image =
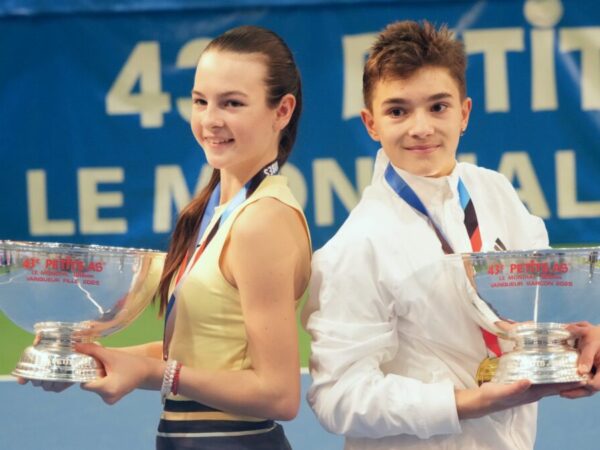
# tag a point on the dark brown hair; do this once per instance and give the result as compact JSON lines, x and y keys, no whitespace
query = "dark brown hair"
{"x":282,"y":78}
{"x":404,"y":47}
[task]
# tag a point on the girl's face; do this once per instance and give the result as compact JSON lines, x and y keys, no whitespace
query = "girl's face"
{"x":231,"y":120}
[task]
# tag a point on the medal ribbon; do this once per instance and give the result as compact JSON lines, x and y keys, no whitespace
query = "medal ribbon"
{"x":472,"y":226}
{"x":186,"y":265}
{"x":406,"y":193}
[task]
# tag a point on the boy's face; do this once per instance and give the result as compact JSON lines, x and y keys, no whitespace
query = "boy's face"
{"x":418,"y":120}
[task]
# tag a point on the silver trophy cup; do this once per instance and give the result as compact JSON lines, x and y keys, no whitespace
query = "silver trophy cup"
{"x":66,"y":294}
{"x":528,"y":297}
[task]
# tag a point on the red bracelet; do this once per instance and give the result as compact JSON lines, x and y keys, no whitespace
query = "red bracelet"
{"x":175,"y":385}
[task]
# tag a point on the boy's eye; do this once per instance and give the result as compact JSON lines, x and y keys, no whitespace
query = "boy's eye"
{"x":439,"y":107}
{"x":396,"y":112}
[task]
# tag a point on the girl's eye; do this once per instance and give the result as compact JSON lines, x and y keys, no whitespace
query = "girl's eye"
{"x":233,"y":103}
{"x":199,"y":101}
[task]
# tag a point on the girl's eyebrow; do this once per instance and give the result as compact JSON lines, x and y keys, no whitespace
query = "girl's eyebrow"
{"x":223,"y":94}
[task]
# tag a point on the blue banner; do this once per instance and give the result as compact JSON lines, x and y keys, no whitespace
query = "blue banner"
{"x":37,"y":7}
{"x":94,"y":109}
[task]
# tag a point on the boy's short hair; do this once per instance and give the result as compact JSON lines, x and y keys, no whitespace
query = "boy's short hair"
{"x":404,"y":47}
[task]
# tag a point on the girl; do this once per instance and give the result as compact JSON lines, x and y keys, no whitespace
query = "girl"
{"x":237,"y":264}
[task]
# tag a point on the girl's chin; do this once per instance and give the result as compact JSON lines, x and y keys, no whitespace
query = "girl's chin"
{"x":215,"y":161}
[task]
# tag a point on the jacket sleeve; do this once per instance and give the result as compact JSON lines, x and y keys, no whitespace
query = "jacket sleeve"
{"x":351,"y":319}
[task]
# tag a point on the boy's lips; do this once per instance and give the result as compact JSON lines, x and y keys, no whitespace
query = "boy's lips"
{"x":422,"y":148}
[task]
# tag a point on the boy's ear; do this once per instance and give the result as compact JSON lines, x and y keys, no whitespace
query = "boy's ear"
{"x":466,"y":106}
{"x":369,"y":121}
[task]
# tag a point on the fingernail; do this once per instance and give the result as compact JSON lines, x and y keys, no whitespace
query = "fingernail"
{"x":583,"y":369}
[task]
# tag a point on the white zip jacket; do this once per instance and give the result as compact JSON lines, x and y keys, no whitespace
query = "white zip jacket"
{"x":392,"y":335}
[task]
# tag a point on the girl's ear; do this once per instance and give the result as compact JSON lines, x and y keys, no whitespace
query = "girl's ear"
{"x":284,"y":111}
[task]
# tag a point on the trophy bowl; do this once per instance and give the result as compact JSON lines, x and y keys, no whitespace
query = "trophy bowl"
{"x":67,"y":294}
{"x":528,"y":297}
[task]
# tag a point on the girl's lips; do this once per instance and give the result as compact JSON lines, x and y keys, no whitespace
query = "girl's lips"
{"x":217,"y":141}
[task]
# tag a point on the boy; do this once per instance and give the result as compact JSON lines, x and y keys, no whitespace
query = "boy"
{"x":394,"y":350}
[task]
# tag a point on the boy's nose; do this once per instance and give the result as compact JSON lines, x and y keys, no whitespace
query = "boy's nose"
{"x":421,"y":125}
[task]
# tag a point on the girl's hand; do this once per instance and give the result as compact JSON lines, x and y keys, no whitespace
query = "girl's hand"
{"x":49,"y":386}
{"x":588,"y":343}
{"x":124,"y":372}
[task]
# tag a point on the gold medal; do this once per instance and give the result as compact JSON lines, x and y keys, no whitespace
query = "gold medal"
{"x":486,"y":370}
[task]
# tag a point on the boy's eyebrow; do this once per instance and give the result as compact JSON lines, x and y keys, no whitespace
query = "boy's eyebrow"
{"x":440,"y":96}
{"x":395,"y":101}
{"x":403,"y":101}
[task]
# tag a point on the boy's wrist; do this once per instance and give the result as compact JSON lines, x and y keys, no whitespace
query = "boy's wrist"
{"x":468,"y":403}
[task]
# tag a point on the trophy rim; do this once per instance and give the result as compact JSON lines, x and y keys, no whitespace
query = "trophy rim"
{"x":59,"y":325}
{"x":531,"y":253}
{"x":75,"y":249}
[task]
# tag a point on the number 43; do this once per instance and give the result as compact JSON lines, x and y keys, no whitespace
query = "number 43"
{"x":143,"y":65}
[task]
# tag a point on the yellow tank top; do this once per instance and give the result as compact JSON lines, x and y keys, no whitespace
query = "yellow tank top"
{"x":209,"y":330}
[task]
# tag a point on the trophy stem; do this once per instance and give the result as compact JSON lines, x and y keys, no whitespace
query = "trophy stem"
{"x":52,"y":357}
{"x":543,"y":353}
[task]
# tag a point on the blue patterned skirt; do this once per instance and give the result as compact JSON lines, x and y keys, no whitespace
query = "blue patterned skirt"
{"x":191,"y":425}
